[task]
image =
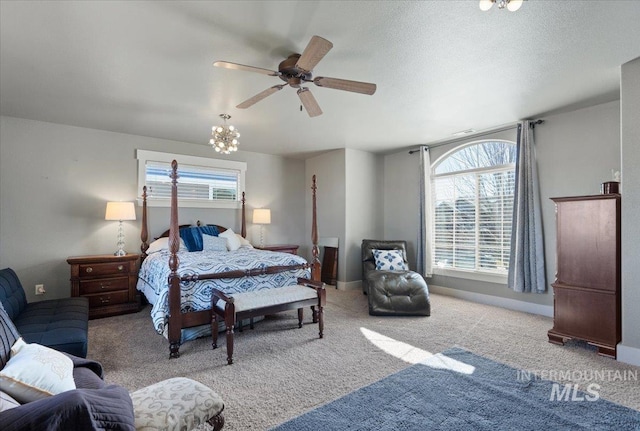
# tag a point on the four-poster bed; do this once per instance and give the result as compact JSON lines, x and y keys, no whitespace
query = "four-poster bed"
{"x":180,"y":292}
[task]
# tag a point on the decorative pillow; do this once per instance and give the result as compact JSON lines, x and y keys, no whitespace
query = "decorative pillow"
{"x":35,"y":372}
{"x":213,"y":243}
{"x":389,"y":260}
{"x":8,"y":336}
{"x":243,"y":241}
{"x":209,"y":229}
{"x":192,"y":236}
{"x":233,"y":243}
{"x":163,"y":244}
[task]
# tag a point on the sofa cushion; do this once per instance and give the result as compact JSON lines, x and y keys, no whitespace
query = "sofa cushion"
{"x":61,"y":324}
{"x":12,"y":294}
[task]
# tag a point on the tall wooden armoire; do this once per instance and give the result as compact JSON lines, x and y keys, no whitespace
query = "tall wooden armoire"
{"x":586,"y":292}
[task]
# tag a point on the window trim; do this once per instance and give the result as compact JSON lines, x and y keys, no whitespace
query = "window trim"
{"x":471,"y":274}
{"x":145,"y":155}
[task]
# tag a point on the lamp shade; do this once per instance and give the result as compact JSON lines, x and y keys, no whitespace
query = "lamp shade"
{"x":120,"y":211}
{"x":262,"y":216}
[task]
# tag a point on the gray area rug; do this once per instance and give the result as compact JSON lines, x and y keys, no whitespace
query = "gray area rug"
{"x":457,"y":390}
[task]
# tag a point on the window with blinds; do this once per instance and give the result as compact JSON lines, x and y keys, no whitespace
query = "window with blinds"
{"x":202,"y":182}
{"x":472,"y":192}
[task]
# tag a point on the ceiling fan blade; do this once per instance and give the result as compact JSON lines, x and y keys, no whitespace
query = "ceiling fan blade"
{"x":236,"y":66}
{"x":316,"y":49}
{"x":309,"y":102}
{"x":346,"y":85}
{"x":258,"y":97}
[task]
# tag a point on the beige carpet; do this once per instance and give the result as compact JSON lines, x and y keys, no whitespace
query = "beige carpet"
{"x":281,"y":371}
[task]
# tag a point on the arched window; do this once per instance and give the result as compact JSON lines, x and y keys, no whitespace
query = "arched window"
{"x":473,"y":189}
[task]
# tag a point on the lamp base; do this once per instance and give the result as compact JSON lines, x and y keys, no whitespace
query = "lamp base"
{"x":120,"y":253}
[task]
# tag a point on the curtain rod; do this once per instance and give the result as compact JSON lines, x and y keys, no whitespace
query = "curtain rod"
{"x":476,"y":135}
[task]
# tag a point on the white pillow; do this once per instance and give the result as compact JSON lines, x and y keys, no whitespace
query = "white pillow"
{"x":163,"y":244}
{"x":243,"y":241}
{"x":389,"y":260}
{"x":35,"y":372}
{"x":213,"y":243}
{"x":233,"y":243}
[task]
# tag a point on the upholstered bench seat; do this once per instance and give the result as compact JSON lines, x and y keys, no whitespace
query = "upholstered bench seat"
{"x":235,"y":307}
{"x":177,"y":404}
{"x":398,"y":293}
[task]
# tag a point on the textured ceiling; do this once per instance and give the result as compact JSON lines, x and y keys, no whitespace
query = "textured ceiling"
{"x":145,"y":68}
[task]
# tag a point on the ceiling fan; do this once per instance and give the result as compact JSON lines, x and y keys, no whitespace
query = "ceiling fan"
{"x":296,"y":71}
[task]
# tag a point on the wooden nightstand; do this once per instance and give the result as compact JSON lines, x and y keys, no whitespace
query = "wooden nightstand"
{"x":286,"y":248}
{"x":109,"y":282}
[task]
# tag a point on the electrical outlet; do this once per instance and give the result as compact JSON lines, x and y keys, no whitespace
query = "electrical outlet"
{"x":40,"y":289}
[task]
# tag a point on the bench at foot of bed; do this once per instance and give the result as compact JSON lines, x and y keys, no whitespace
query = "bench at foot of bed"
{"x":234,"y":308}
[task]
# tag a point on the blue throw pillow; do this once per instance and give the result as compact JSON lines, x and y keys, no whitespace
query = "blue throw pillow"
{"x":209,"y":230}
{"x":192,"y":236}
{"x":389,"y":260}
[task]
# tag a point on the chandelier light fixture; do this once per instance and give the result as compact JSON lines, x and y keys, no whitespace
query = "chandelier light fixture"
{"x":511,"y":5}
{"x":224,"y":139}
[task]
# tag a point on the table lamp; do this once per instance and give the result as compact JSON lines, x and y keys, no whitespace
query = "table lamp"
{"x":120,"y":211}
{"x":261,"y":216}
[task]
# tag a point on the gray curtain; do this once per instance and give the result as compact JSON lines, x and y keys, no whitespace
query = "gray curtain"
{"x":423,"y":258}
{"x":526,"y":262}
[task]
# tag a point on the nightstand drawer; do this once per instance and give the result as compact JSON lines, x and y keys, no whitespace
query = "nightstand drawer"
{"x":109,"y":298}
{"x":103,"y":285}
{"x":100,"y":269}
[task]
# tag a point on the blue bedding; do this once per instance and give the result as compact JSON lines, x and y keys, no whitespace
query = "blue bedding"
{"x":154,"y":273}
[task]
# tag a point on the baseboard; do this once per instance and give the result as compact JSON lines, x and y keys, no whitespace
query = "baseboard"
{"x":511,"y":304}
{"x":349,"y":285}
{"x":628,"y":355}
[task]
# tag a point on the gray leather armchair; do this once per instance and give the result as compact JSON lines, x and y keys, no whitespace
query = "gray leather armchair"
{"x":392,"y":292}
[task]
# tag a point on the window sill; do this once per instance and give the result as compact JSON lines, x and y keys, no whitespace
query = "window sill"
{"x":472,"y":275}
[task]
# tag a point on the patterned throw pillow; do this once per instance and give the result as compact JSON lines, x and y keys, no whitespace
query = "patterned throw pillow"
{"x":8,"y":335}
{"x":35,"y":372}
{"x":389,"y":260}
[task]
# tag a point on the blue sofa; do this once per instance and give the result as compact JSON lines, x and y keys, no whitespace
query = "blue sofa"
{"x":61,"y":324}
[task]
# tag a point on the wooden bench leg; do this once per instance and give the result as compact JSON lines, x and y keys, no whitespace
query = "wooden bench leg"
{"x":214,"y":329}
{"x":300,"y":317}
{"x":321,"y":320}
{"x":229,"y":320}
{"x":315,"y":314}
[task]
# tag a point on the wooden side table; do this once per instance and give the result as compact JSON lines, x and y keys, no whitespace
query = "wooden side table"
{"x":285,"y":248}
{"x":109,"y":282}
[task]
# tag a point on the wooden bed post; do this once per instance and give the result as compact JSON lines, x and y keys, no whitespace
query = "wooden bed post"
{"x":144,"y":234}
{"x":315,"y":251}
{"x":175,"y":313}
{"x":243,"y":229}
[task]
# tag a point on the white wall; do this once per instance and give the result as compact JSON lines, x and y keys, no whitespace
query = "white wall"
{"x":349,"y":204}
{"x":575,"y":152}
{"x":629,"y":350}
{"x":329,"y":169}
{"x":364,"y":216}
{"x":55,"y":181}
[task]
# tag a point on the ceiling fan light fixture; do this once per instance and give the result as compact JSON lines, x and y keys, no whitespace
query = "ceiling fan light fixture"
{"x":514,"y":5}
{"x":485,"y":5}
{"x":224,"y":139}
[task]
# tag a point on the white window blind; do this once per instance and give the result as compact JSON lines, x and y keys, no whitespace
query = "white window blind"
{"x":472,"y":196}
{"x":202,"y":182}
